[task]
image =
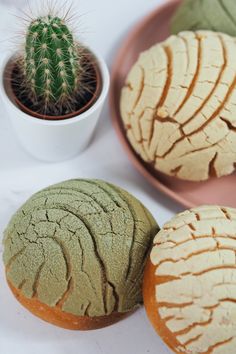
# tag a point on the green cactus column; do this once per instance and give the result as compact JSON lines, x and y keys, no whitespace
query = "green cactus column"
{"x":52,"y":64}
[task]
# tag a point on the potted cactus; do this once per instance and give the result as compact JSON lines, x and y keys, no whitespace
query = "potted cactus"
{"x":54,"y":90}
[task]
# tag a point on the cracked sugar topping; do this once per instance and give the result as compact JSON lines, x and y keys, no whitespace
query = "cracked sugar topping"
{"x":80,"y":245}
{"x":194,"y":258}
{"x":179,"y":105}
{"x":216,"y":15}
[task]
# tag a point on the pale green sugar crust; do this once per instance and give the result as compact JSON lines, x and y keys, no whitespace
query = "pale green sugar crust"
{"x":215,"y":15}
{"x":86,"y":239}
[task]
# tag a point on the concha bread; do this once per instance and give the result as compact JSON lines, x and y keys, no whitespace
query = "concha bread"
{"x":179,"y":105}
{"x":190,"y":282}
{"x":75,"y":252}
{"x":214,"y":15}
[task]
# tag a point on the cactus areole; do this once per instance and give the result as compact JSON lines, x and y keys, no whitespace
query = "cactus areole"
{"x":58,"y":77}
{"x":51,"y":60}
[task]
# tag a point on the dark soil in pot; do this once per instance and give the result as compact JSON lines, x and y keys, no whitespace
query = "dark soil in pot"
{"x":91,"y":80}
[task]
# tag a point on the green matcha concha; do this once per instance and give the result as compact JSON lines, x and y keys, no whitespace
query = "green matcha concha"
{"x":214,"y":15}
{"x":87,"y":239}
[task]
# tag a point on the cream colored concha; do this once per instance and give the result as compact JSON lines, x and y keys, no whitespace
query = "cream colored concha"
{"x":190,"y":282}
{"x":179,"y":105}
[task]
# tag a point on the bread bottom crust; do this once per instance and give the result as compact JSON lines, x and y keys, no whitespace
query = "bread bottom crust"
{"x":151,"y":306}
{"x":57,"y":317}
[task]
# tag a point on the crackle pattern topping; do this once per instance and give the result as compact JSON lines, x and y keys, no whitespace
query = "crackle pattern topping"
{"x":195,"y":260}
{"x":214,"y":15}
{"x":179,"y":105}
{"x":80,"y":245}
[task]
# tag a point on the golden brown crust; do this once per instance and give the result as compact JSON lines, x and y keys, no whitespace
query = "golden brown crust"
{"x":151,"y":307}
{"x":57,"y":317}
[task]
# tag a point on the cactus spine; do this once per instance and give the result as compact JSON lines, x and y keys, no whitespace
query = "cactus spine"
{"x":51,"y":64}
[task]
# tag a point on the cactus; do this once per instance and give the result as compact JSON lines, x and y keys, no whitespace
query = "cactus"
{"x":52,"y":64}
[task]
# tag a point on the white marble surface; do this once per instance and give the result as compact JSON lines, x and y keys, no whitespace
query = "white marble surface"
{"x":104,"y":24}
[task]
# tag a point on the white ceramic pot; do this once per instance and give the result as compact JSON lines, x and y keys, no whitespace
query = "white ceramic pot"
{"x":55,"y":140}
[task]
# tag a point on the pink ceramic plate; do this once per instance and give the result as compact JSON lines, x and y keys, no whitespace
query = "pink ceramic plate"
{"x":152,"y":29}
